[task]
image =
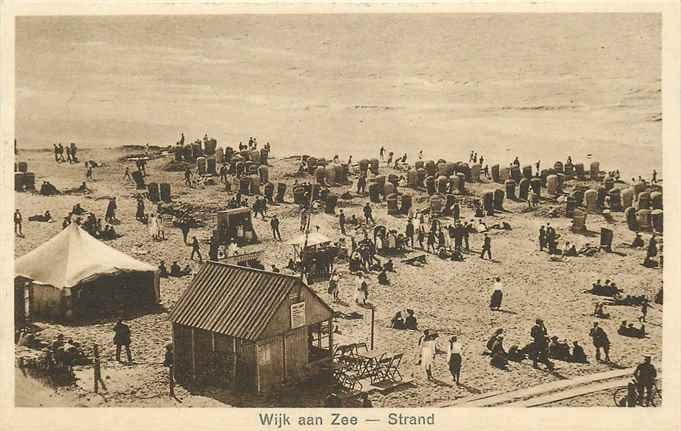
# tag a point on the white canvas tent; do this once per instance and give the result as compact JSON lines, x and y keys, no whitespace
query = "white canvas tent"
{"x":313,"y":238}
{"x":74,"y":273}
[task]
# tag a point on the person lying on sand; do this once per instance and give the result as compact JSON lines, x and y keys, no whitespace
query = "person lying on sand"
{"x":629,"y":330}
{"x":47,"y":217}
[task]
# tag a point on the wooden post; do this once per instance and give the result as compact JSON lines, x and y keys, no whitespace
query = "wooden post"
{"x":96,"y":369}
{"x":372,"y":327}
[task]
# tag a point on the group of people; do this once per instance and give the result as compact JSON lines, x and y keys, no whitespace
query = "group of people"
{"x":400,"y":321}
{"x":541,"y":349}
{"x":548,"y":239}
{"x":175,"y":270}
{"x":91,"y":225}
{"x":70,"y":151}
{"x":428,"y":349}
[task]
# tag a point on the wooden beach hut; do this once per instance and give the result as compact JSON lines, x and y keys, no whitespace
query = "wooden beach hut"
{"x":250,"y":330}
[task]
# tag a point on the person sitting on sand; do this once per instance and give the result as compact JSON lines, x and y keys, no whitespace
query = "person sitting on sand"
{"x":578,"y":354}
{"x":77,"y":209}
{"x":637,"y":242}
{"x":397,"y":322}
{"x":492,"y":340}
{"x":383,"y":278}
{"x":410,"y":321}
{"x":175,"y":270}
{"x":599,"y":311}
{"x":109,"y":233}
{"x":559,"y":350}
{"x":47,"y":189}
{"x":162,"y":271}
{"x":499,"y":356}
{"x":67,"y":222}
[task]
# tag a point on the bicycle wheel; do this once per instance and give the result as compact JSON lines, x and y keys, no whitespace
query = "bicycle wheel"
{"x":619,"y":397}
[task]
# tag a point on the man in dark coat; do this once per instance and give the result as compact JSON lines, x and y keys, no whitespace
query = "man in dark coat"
{"x":601,"y":341}
{"x":196,"y":249}
{"x":122,"y":338}
{"x":169,"y":362}
{"x":486,"y":247}
{"x":538,"y":334}
{"x":111,"y":211}
{"x":367,"y":214}
{"x":341,"y":221}
{"x":274,"y":223}
{"x":542,"y":238}
{"x":645,"y":376}
{"x":652,"y":249}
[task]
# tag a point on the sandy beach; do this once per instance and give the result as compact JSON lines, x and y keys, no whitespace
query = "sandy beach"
{"x":448,"y":296}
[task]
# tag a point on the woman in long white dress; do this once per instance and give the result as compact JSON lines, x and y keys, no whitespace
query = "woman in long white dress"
{"x":153,"y":226}
{"x":428,"y":351}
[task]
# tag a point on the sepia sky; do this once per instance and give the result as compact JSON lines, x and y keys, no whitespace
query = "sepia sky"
{"x":341,"y":80}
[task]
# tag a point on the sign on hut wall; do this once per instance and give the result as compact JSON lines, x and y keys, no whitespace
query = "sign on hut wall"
{"x":297,"y":315}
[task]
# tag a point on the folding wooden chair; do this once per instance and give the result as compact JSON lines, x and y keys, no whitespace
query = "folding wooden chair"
{"x":358,"y":345}
{"x":382,"y":369}
{"x":394,"y":370}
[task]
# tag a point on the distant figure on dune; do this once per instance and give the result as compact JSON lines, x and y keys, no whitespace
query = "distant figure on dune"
{"x":17,"y":223}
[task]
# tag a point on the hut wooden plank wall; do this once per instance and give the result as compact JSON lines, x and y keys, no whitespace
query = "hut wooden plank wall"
{"x":249,"y":329}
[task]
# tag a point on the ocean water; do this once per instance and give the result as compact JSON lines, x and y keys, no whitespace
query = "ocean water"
{"x":529,"y":85}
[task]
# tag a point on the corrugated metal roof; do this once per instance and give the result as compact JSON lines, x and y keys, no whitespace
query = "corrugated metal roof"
{"x":232,"y":300}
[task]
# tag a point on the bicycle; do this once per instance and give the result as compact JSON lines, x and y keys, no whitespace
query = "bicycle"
{"x":623,"y":395}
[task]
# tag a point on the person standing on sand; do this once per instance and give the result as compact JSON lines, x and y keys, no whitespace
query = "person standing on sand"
{"x":538,"y":334}
{"x":274,"y":223}
{"x":341,"y":222}
{"x":537,"y":165}
{"x":600,"y":341}
{"x":333,"y":285}
{"x":367,"y":214}
{"x":122,"y":338}
{"x":362,"y":293}
{"x":196,"y":249}
{"x":139,"y":214}
{"x":184,"y":227}
{"x":428,"y":351}
{"x":497,"y":295}
{"x":17,"y":223}
{"x":652,"y":250}
{"x":409,"y":233}
{"x":110,"y":215}
{"x":486,"y":247}
{"x":381,"y":152}
{"x":361,"y":184}
{"x":542,"y":238}
{"x":169,"y":362}
{"x":454,"y":351}
{"x":654,"y":177}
